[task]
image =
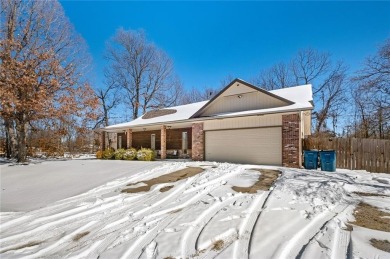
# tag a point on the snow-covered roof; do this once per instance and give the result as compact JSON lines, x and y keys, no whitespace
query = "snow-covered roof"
{"x":183,"y":112}
{"x":300,"y":96}
{"x":297,"y":94}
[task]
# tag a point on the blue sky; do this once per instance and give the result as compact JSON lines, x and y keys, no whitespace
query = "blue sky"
{"x":210,"y":40}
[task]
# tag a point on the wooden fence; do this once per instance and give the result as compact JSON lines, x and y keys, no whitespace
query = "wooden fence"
{"x":372,"y":155}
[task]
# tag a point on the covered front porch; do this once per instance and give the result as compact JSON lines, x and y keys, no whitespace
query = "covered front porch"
{"x":179,"y":140}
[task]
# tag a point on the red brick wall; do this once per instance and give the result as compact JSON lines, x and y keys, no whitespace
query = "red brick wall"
{"x":197,"y":142}
{"x":290,"y":140}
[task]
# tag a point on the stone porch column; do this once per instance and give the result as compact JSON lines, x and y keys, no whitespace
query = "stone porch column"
{"x":197,"y":142}
{"x":291,"y":148}
{"x":129,"y":138}
{"x":163,"y":142}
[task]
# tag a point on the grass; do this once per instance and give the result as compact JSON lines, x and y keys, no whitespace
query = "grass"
{"x":29,"y":244}
{"x":80,"y":236}
{"x":371,"y":217}
{"x":383,"y":245}
{"x":166,"y":178}
{"x":265,"y":181}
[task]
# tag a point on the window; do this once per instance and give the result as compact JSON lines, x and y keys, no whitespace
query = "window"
{"x":119,"y":142}
{"x":184,"y":143}
{"x":153,"y":141}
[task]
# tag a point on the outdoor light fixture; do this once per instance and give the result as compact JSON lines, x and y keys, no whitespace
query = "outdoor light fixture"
{"x":144,"y":129}
{"x":239,"y":96}
{"x":169,"y":127}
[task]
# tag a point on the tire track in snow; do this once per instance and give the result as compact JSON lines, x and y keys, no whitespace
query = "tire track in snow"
{"x":241,"y":247}
{"x":228,"y":237}
{"x":296,"y":246}
{"x":190,"y":238}
{"x":340,"y":243}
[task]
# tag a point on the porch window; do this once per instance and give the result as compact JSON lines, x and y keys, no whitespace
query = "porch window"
{"x":184,"y":143}
{"x":153,"y":141}
{"x":119,"y":142}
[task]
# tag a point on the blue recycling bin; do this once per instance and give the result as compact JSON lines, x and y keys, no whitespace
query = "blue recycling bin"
{"x":310,"y":159}
{"x":328,"y":160}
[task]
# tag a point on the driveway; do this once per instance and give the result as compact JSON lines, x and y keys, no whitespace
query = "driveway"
{"x":25,"y":188}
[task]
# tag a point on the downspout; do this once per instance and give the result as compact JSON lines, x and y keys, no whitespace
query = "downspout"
{"x":301,"y":136}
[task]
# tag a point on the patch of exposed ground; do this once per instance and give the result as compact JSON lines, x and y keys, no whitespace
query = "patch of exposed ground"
{"x":166,"y":188}
{"x":383,"y":245}
{"x":370,"y":194}
{"x":265,"y":181}
{"x":218,"y":245}
{"x":80,"y":236}
{"x":166,"y":178}
{"x":29,"y":244}
{"x":371,"y":217}
{"x":175,"y":211}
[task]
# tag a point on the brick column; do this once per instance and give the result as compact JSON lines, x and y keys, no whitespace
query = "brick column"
{"x":290,"y":140}
{"x":102,"y":140}
{"x":129,"y":138}
{"x":197,"y":142}
{"x":163,"y":142}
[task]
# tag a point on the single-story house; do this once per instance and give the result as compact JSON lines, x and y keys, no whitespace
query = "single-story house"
{"x":241,"y":124}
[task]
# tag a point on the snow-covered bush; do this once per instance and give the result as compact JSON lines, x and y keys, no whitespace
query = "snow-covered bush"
{"x":119,"y":154}
{"x":145,"y":154}
{"x":108,"y":153}
{"x":99,"y":154}
{"x":130,"y":154}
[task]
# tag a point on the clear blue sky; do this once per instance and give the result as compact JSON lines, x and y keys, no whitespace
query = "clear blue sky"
{"x":210,"y":40}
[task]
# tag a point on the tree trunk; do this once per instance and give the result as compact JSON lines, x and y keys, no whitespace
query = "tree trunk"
{"x":11,"y":148}
{"x":22,"y":148}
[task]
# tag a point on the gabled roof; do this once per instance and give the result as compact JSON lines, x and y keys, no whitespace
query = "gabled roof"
{"x":296,"y":98}
{"x":237,"y":80}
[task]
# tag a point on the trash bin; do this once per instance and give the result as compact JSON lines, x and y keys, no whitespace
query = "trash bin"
{"x":328,"y":160}
{"x":310,"y":159}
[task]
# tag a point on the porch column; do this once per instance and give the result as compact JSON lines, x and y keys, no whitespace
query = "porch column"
{"x":129,"y":137}
{"x":163,"y":142}
{"x":197,"y":142}
{"x":291,"y":153}
{"x":102,"y":142}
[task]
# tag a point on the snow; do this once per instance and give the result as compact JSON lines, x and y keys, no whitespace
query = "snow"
{"x":183,"y":112}
{"x":304,"y":215}
{"x":297,"y":94}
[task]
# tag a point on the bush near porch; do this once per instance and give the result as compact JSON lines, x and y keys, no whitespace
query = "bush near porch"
{"x":143,"y":154}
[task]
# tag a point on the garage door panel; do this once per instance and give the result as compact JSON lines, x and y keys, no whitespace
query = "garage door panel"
{"x":254,"y":146}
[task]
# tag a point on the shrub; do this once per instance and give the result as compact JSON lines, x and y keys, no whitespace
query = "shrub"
{"x":119,"y":154}
{"x":145,"y":154}
{"x":108,"y":153}
{"x":99,"y":154}
{"x":130,"y":154}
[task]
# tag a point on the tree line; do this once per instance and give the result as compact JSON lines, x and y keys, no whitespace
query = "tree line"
{"x":48,"y":102}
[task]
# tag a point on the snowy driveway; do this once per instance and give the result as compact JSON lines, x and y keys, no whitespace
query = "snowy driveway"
{"x":306,"y":215}
{"x":25,"y":188}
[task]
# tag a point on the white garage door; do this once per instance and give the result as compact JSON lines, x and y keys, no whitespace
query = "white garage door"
{"x":251,"y":146}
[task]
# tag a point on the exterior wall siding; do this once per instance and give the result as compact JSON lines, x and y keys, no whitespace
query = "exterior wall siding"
{"x":124,"y":140}
{"x":250,"y":100}
{"x":291,"y":147}
{"x":143,"y":139}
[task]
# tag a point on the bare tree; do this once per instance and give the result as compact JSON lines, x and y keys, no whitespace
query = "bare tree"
{"x":41,"y":67}
{"x":328,"y":79}
{"x":278,"y":76}
{"x":141,"y":70}
{"x":373,"y":94}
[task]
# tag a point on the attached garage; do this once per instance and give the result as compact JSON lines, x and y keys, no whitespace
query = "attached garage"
{"x":252,"y":146}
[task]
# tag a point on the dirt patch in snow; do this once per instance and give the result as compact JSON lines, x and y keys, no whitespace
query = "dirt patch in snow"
{"x":383,"y":245}
{"x":166,"y":188}
{"x":370,"y":194}
{"x":218,"y":245}
{"x":371,"y":217}
{"x":265,"y":181}
{"x":166,"y":178}
{"x":80,"y":236}
{"x":29,"y":244}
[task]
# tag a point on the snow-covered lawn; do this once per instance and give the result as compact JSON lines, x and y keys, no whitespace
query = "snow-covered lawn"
{"x":305,"y":215}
